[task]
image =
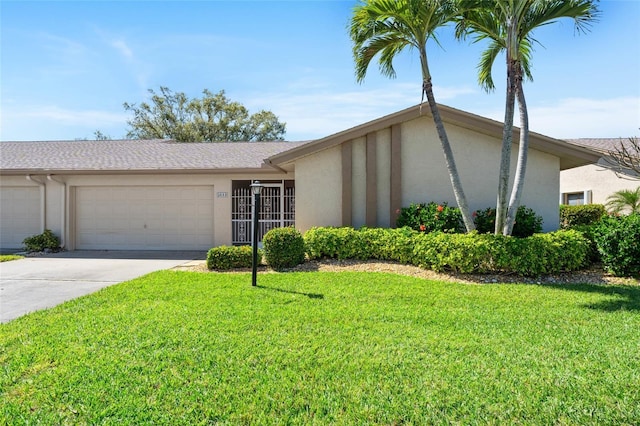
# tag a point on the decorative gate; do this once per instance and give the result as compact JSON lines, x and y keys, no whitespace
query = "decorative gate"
{"x":277,"y":209}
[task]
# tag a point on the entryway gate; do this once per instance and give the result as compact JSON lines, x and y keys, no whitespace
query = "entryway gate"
{"x":277,"y":209}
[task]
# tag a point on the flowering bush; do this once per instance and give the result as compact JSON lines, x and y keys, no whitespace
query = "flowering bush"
{"x":431,"y":217}
{"x":527,"y":222}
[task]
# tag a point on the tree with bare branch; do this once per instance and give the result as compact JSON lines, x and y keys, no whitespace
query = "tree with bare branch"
{"x":624,"y":158}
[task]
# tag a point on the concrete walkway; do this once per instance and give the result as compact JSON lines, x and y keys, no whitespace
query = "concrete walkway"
{"x":41,"y":282}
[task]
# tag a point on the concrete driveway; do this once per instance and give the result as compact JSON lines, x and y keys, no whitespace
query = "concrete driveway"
{"x":40,"y":282}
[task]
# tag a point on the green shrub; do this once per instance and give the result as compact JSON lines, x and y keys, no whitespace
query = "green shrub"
{"x":45,"y":241}
{"x":527,"y":222}
{"x":388,"y":244}
{"x":588,"y":214}
{"x":464,"y":253}
{"x":431,"y":217}
{"x":618,"y":242}
{"x":336,"y":243}
{"x":283,"y":247}
{"x":589,"y":233}
{"x":227,"y":257}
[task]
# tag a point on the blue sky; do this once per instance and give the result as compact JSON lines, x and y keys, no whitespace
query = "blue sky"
{"x":67,"y":67}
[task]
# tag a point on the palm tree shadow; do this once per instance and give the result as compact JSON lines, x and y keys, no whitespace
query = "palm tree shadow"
{"x":622,"y":297}
{"x":281,"y":290}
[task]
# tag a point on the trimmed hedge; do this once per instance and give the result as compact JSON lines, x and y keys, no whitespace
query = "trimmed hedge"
{"x":229,"y":257}
{"x":465,"y":253}
{"x":283,"y":247}
{"x":588,"y":214}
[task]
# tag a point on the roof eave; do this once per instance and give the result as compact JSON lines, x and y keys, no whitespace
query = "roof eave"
{"x":570,"y":155}
{"x":245,"y":170}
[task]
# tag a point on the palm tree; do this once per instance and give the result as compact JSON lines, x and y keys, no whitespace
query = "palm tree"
{"x":625,"y":199}
{"x":509,"y":26}
{"x":387,"y":27}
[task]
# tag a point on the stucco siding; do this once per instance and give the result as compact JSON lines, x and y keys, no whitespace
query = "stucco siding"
{"x":319,"y":190}
{"x":600,"y":181}
{"x":424,"y":175}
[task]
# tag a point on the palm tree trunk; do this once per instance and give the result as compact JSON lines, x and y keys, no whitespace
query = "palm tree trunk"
{"x":458,"y":192}
{"x":507,"y":141}
{"x":521,"y":168}
{"x":461,"y":199}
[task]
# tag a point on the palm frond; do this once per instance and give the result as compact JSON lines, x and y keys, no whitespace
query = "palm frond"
{"x":485,"y":66}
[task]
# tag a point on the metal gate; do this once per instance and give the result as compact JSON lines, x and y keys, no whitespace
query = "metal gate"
{"x":277,"y":209}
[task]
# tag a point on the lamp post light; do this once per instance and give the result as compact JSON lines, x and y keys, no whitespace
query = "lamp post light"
{"x":256,"y":188}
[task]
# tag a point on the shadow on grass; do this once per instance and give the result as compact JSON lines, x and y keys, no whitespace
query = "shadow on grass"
{"x":623,"y":297}
{"x":281,"y":290}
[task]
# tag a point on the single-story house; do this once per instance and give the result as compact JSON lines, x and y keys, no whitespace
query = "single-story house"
{"x":594,"y":183}
{"x":160,"y":194}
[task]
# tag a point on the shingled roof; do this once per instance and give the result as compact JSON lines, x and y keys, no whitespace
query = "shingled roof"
{"x":135,"y":155}
{"x":602,"y":145}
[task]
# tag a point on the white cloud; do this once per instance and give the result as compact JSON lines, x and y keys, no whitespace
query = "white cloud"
{"x":318,"y":112}
{"x":47,"y":122}
{"x":122,"y":47}
{"x":588,"y":118}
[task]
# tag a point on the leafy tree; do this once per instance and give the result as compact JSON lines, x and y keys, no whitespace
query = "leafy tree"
{"x":509,"y":26}
{"x":384,"y":28}
{"x":99,"y":136}
{"x":624,"y":158}
{"x":214,"y":117}
{"x":625,"y":199}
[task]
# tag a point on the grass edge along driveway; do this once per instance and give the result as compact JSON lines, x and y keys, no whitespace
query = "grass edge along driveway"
{"x":325,"y":348}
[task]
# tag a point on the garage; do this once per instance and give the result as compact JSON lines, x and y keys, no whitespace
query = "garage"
{"x":144,"y":217}
{"x":20,"y":209}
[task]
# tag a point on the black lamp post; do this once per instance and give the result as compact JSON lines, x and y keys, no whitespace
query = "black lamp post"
{"x":256,"y":188}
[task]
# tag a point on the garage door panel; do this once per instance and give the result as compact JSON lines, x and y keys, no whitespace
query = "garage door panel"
{"x":19,"y":214}
{"x":145,"y":217}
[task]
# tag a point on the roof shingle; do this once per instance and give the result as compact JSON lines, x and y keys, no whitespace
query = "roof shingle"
{"x":136,"y":155}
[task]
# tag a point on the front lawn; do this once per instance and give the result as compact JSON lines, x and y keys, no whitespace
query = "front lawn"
{"x":326,"y":348}
{"x":9,"y":257}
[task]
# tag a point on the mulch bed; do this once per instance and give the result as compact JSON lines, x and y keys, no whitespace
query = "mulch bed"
{"x":593,"y":275}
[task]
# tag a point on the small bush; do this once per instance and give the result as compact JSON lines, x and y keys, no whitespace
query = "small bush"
{"x":527,"y":222}
{"x":227,"y":257}
{"x":45,"y":241}
{"x":588,"y":214}
{"x":283,"y":247}
{"x":618,"y":242}
{"x":431,"y":217}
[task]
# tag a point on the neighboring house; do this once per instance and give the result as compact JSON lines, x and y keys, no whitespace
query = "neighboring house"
{"x":593,"y":183}
{"x":154,"y":194}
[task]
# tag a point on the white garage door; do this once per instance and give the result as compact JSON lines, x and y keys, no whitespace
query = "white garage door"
{"x":144,"y":218}
{"x":19,"y":215}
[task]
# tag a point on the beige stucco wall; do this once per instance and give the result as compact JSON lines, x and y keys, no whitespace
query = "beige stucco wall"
{"x":477,"y":156}
{"x":59,"y":200}
{"x":319,"y":189}
{"x":424,"y":176}
{"x":600,"y":181}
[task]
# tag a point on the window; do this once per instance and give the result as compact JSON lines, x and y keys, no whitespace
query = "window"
{"x":576,"y":198}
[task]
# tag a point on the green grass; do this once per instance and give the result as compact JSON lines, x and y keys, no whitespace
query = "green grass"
{"x":8,"y":257}
{"x":325,"y":348}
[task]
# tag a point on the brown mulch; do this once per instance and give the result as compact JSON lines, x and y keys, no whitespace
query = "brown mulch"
{"x":594,"y":275}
